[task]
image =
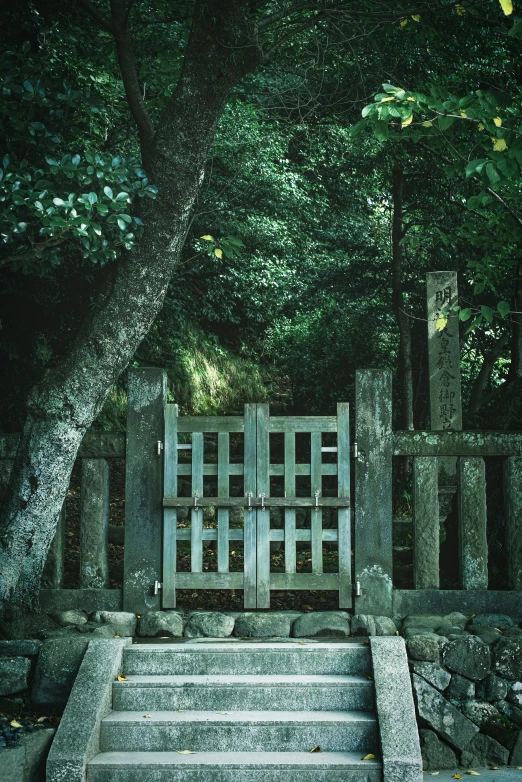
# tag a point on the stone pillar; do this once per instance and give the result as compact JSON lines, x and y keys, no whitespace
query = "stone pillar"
{"x":473,"y":545}
{"x":373,"y":492}
{"x":426,"y":522}
{"x":94,"y":524}
{"x":52,"y":577}
{"x":513,"y":520}
{"x":146,"y":400}
{"x":444,"y":370}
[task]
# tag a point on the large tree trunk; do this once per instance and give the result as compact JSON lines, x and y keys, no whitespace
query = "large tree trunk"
{"x":405,"y":364}
{"x":221,"y":49}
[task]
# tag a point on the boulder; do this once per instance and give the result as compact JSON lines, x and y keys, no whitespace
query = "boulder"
{"x":409,"y":632}
{"x":433,"y":673}
{"x":12,"y":763}
{"x":455,"y":619}
{"x":500,"y":621}
{"x":321,"y":623}
{"x":160,"y":623}
{"x":479,"y":712}
{"x":56,"y":670}
{"x":490,"y":721}
{"x":64,"y":618}
{"x":123,"y":621}
{"x":460,"y":689}
{"x":484,"y":630}
{"x":211,"y":624}
{"x":515,"y":694}
{"x":250,"y":625}
{"x":492,"y":688}
{"x":59,"y":632}
{"x":516,"y":752}
{"x":367,"y":624}
{"x":36,"y":747}
{"x":425,"y":647}
{"x":423,"y":622}
{"x":484,"y":751}
{"x":14,"y":673}
{"x":450,"y":630}
{"x":20,"y":648}
{"x":28,"y":626}
{"x":436,"y":755}
{"x":468,"y":656}
{"x":441,"y":715}
{"x":507,"y":658}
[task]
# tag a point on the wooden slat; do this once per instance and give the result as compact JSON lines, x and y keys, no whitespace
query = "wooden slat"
{"x":321,"y":582}
{"x":289,"y":467}
{"x":209,"y":533}
{"x":211,"y":423}
{"x":295,"y":423}
{"x":303,"y":469}
{"x":223,"y":491}
{"x":196,"y":548}
{"x":303,"y":535}
{"x":316,"y":524}
{"x":210,"y":469}
{"x":263,"y":517}
{"x":210,"y":580}
{"x":451,"y":443}
{"x":170,"y":489}
{"x":250,"y":522}
{"x":271,"y":502}
{"x":343,"y":514}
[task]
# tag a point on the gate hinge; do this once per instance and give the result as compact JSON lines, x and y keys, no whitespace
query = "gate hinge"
{"x":157,"y":587}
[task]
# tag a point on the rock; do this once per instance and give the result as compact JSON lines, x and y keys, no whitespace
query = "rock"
{"x":409,"y":632}
{"x":460,"y":689}
{"x":490,"y":720}
{"x":20,"y":648}
{"x":492,"y":688}
{"x":507,"y":658}
{"x":500,"y":621}
{"x":124,"y":621}
{"x":513,"y":632}
{"x":321,"y":623}
{"x":56,"y":670}
{"x":483,"y":630}
{"x":28,"y":626}
{"x":367,"y":624}
{"x":36,"y":746}
{"x":441,"y":715}
{"x":158,"y":623}
{"x":468,"y":656}
{"x":489,"y":638}
{"x":59,"y":632}
{"x":385,"y":626}
{"x":436,"y":755}
{"x":423,"y":622}
{"x":64,"y":618}
{"x":106,"y":631}
{"x":513,"y":713}
{"x":209,"y":625}
{"x":250,"y":625}
{"x":484,"y":751}
{"x":433,"y":673}
{"x":516,"y":753}
{"x":450,"y":630}
{"x":425,"y":647}
{"x":12,"y":763}
{"x":455,"y":619}
{"x":515,"y":694}
{"x":14,"y":672}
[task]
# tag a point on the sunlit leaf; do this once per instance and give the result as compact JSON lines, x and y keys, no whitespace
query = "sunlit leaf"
{"x":441,"y":322}
{"x":369,"y":757}
{"x":122,"y":678}
{"x":499,"y":145}
{"x":427,"y":124}
{"x":504,"y":308}
{"x":403,"y":22}
{"x":507,"y":6}
{"x":460,"y":9}
{"x":316,"y":749}
{"x":416,"y":17}
{"x":498,"y":121}
{"x":407,"y":121}
{"x":480,"y":126}
{"x":207,"y":238}
{"x":218,"y":253}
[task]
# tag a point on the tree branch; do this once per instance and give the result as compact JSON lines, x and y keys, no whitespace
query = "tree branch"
{"x":97,"y":15}
{"x":294,"y":31}
{"x":477,"y":399}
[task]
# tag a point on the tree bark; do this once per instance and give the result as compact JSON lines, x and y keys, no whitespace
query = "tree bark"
{"x":477,"y":398}
{"x":405,"y":363}
{"x":515,"y":369}
{"x":222,"y":47}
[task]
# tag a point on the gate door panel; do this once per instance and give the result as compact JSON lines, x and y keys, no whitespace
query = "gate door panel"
{"x":198,"y":471}
{"x":310,"y":530}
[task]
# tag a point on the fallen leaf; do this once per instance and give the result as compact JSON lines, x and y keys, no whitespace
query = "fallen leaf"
{"x":457,"y":776}
{"x":41,"y":719}
{"x":224,"y":712}
{"x":368,"y":757}
{"x":473,"y":773}
{"x":147,"y":716}
{"x":181,"y":709}
{"x":15,"y":724}
{"x":435,"y":773}
{"x":494,"y":768}
{"x":117,"y":636}
{"x":185,"y":752}
{"x":302,"y":643}
{"x":316,"y":749}
{"x":122,"y":678}
{"x":368,"y":676}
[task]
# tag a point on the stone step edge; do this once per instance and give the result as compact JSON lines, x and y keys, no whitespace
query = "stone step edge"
{"x":237,"y":717}
{"x":157,"y":681}
{"x":329,"y":760}
{"x":245,"y":647}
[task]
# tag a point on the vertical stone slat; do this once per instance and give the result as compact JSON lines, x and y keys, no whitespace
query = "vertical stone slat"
{"x":170,"y":515}
{"x":94,"y":524}
{"x":373,"y":492}
{"x":473,"y":547}
{"x":52,"y":577}
{"x":426,"y":523}
{"x":146,"y":395}
{"x":250,"y":521}
{"x":513,"y":520}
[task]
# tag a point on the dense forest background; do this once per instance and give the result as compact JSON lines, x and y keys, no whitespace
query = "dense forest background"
{"x":301,"y":279}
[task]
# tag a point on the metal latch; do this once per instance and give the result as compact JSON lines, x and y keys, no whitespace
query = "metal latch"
{"x":159,"y":448}
{"x":157,"y":587}
{"x":355,"y":450}
{"x":358,"y":590}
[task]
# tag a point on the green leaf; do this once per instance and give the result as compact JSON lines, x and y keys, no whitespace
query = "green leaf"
{"x":58,"y":202}
{"x":28,"y":86}
{"x":465,"y":314}
{"x":446,"y":122}
{"x":92,"y":198}
{"x":475,"y":167}
{"x":487,"y":313}
{"x":381,"y":131}
{"x":76,"y":160}
{"x":492,"y":173}
{"x":504,"y":308}
{"x":122,"y":197}
{"x":390,"y":88}
{"x":107,"y":191}
{"x":122,"y":224}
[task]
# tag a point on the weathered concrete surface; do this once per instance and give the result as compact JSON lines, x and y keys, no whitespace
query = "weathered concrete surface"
{"x":147,"y":396}
{"x":513,"y":517}
{"x":14,"y":673}
{"x":473,"y":548}
{"x":56,"y":669}
{"x":87,"y":600}
{"x":439,"y":601}
{"x":78,"y":736}
{"x":94,"y":524}
{"x":373,"y":482}
{"x":442,"y":716}
{"x":426,"y":522}
{"x":401,"y":755}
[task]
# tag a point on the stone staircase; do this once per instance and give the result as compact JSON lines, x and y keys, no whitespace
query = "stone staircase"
{"x":246,"y":712}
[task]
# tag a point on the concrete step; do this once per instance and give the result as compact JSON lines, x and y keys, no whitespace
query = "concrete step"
{"x":233,"y":767}
{"x":247,"y":731}
{"x":247,"y":658}
{"x":236,"y":693}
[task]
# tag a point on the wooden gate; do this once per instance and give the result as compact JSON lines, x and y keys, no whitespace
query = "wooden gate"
{"x":222,"y":478}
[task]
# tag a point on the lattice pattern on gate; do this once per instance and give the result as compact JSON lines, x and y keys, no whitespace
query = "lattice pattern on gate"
{"x":256,"y":533}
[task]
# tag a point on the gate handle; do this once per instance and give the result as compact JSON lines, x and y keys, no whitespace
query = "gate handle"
{"x":262,"y":501}
{"x":316,"y":495}
{"x":249,"y":495}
